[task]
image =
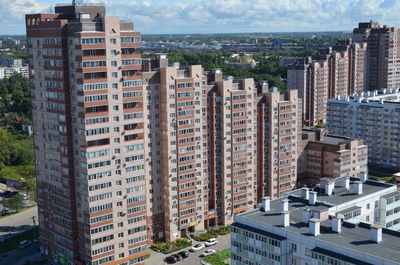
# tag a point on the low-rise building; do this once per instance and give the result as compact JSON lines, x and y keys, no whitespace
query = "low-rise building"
{"x":325,"y":155}
{"x":340,"y":222}
{"x":7,"y":72}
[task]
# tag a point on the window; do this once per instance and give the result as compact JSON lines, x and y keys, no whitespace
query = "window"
{"x":114,"y":63}
{"x":114,"y":74}
{"x":113,"y":41}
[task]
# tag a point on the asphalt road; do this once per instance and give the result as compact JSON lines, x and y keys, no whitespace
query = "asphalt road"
{"x":19,"y":222}
{"x":156,"y":258}
{"x":19,"y":256}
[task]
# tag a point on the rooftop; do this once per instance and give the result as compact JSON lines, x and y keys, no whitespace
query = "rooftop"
{"x":383,"y":96}
{"x":353,"y":236}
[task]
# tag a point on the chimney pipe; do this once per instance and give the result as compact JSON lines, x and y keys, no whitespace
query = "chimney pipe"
{"x":285,"y":219}
{"x":284,"y":205}
{"x":363,"y":176}
{"x":306,"y":215}
{"x":347,"y":183}
{"x":358,"y":187}
{"x":313,"y":198}
{"x":329,"y":186}
{"x":337,"y":223}
{"x":305,"y":193}
{"x":266,"y":204}
{"x":376,"y":233}
{"x":314,"y":226}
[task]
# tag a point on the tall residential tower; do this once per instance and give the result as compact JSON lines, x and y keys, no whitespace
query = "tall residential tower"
{"x":88,"y":112}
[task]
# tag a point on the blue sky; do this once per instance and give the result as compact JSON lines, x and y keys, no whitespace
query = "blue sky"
{"x":214,"y":16}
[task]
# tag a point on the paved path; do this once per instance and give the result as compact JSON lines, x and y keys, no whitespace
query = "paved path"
{"x":19,"y":222}
{"x":156,"y":258}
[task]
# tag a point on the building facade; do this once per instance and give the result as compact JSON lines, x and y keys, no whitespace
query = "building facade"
{"x":339,"y":223}
{"x":373,"y":117}
{"x":279,"y":124}
{"x":7,"y":72}
{"x":323,"y":155}
{"x":338,"y":70}
{"x":383,"y":54}
{"x":89,"y":128}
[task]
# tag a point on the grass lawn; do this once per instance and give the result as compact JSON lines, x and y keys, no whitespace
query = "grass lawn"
{"x":13,"y":242}
{"x":219,"y":258}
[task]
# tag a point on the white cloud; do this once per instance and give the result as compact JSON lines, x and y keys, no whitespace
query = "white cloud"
{"x":12,"y":14}
{"x":202,"y":16}
{"x":253,"y":15}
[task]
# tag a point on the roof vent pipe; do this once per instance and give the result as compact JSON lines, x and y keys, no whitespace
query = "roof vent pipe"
{"x":337,"y":223}
{"x":305,"y":193}
{"x":347,"y":183}
{"x":313,"y":198}
{"x":306,"y":215}
{"x":285,"y":221}
{"x":363,"y":176}
{"x":314,"y":226}
{"x":266,"y":204}
{"x":358,"y":187}
{"x":376,"y":233}
{"x":284,"y":205}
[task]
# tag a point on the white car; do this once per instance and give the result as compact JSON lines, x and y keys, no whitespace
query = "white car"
{"x":24,"y":243}
{"x":211,"y":242}
{"x":208,"y":252}
{"x":197,"y":247}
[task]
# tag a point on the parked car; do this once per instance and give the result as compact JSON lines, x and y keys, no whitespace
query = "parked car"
{"x":171,"y":259}
{"x":24,"y":196}
{"x":178,"y":257}
{"x":208,"y":252}
{"x":197,"y":247}
{"x":24,"y":243}
{"x":184,"y":254}
{"x":211,"y":242}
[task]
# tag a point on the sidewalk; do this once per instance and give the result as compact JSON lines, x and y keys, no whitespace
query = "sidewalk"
{"x":19,"y":222}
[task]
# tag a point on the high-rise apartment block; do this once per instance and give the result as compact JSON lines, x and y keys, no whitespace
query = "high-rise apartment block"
{"x":323,"y":155}
{"x":89,"y":123}
{"x":279,"y":124}
{"x":232,"y":146}
{"x":383,"y":54}
{"x":344,"y":221}
{"x":338,"y":70}
{"x":373,"y":117}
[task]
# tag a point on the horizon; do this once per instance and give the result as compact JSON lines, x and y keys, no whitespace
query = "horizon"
{"x":156,"y":17}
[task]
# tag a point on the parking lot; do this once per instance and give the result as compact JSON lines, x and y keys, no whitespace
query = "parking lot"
{"x":156,"y":258}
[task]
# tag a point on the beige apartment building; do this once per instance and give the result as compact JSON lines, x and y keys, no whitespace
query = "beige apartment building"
{"x":89,"y":133}
{"x":383,"y":54}
{"x":331,"y":72}
{"x":323,"y":155}
{"x":131,"y":151}
{"x":232,"y":146}
{"x":374,"y":117}
{"x":178,"y":149}
{"x":279,"y":124}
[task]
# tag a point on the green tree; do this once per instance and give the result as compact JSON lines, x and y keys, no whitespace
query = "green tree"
{"x":14,"y":203}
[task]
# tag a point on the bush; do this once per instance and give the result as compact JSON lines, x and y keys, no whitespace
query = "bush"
{"x":206,"y":236}
{"x":213,"y":233}
{"x":171,"y":246}
{"x":222,"y":230}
